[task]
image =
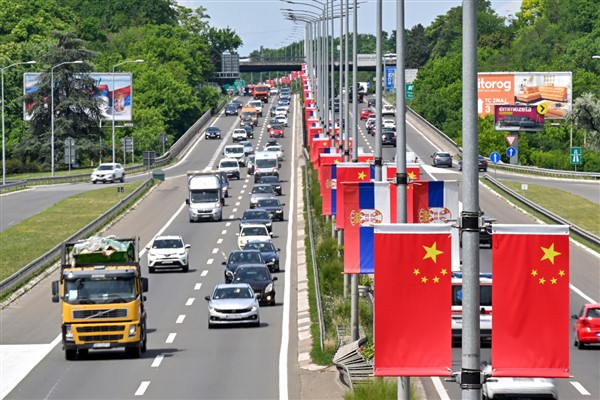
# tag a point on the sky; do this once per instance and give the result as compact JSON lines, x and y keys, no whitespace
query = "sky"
{"x":261,"y":22}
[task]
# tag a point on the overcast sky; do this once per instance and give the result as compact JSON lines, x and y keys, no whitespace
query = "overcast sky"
{"x":261,"y":22}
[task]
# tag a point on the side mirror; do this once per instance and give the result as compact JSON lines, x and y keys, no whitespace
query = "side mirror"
{"x":207,"y":298}
{"x":574,"y":316}
{"x":278,"y":249}
{"x":274,"y":278}
{"x":224,"y":263}
{"x":187,"y":201}
{"x":144,"y":285}
{"x":228,"y":276}
{"x":187,"y":246}
{"x":55,"y":291}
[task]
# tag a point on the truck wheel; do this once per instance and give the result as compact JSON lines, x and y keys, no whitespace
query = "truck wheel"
{"x":134,"y":352}
{"x":70,"y":354}
{"x":82,"y":353}
{"x":144,"y":347}
{"x":123,"y":178}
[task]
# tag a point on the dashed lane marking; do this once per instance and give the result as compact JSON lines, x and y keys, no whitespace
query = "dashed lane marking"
{"x":197,"y":286}
{"x":204,"y":273}
{"x":190,"y":301}
{"x":171,"y":338}
{"x":142,"y":388}
{"x":180,"y":319}
{"x":157,"y":360}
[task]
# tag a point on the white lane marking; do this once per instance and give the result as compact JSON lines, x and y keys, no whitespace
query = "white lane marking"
{"x":142,"y":388}
{"x":180,"y":319}
{"x":241,"y":191}
{"x":287,"y":293}
{"x":210,"y":261}
{"x":579,"y":292}
{"x":580,"y":388}
{"x":220,"y":240}
{"x":224,"y":232}
{"x":244,"y":185}
{"x":228,"y":224}
{"x":437,"y":382}
{"x":239,"y":197}
{"x":197,"y":286}
{"x":204,"y":273}
{"x":157,"y":360}
{"x":190,"y":301}
{"x":232,"y":216}
{"x":171,"y":338}
{"x":215,"y":250}
{"x":235,"y":209}
{"x":165,"y":226}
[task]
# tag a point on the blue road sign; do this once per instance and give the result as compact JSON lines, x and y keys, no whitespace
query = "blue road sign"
{"x":511,"y":152}
{"x":495,"y":157}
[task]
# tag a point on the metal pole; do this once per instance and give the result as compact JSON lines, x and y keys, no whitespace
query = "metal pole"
{"x":52,"y":121}
{"x":354,"y":84}
{"x":332,"y":77}
{"x":470,"y":379}
{"x":341,"y":89}
{"x":378,"y":95}
{"x":347,"y":85}
{"x":3,"y":139}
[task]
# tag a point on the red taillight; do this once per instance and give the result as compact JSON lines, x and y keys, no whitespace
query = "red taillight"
{"x":585,"y":323}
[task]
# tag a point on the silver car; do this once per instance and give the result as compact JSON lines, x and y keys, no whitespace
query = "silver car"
{"x":261,"y":191}
{"x":233,"y":304}
{"x":442,"y":158}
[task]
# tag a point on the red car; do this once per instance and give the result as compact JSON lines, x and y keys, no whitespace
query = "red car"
{"x":276,"y":131}
{"x":367,"y":113}
{"x":587,"y":326}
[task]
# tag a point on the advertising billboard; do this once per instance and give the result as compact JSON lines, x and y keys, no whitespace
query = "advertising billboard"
{"x":552,"y":90}
{"x":518,"y":118}
{"x":121,"y":85}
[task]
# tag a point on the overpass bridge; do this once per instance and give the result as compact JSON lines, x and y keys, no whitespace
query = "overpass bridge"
{"x":266,"y":65}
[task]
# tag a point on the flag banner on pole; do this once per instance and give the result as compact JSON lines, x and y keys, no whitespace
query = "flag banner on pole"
{"x":327,"y":184}
{"x":530,"y":297}
{"x":348,"y":172}
{"x":413,"y":281}
{"x":317,"y":146}
{"x":435,"y":201}
{"x":413,"y":171}
{"x":366,"y":205}
{"x":329,"y":156}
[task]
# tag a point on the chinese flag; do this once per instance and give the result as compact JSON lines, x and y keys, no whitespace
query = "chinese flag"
{"x":367,"y":204}
{"x":329,"y":156}
{"x":530,"y":297}
{"x":434,"y":201}
{"x":316,"y":147}
{"x":347,"y":172}
{"x":413,"y":281}
{"x":413,"y":170}
{"x":327,"y":184}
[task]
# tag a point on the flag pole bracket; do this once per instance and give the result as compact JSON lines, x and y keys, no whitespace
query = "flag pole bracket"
{"x":470,"y":221}
{"x":470,"y":378}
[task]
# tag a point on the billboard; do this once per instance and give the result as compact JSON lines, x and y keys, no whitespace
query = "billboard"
{"x":518,"y":118}
{"x":122,"y":83}
{"x":552,"y":90}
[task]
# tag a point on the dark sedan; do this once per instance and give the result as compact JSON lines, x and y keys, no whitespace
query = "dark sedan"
{"x":255,"y":216}
{"x":231,"y":109}
{"x":239,"y":257}
{"x":273,"y":181}
{"x":269,"y":252}
{"x":249,"y":130}
{"x":388,"y":137}
{"x":213,"y":132}
{"x":482,"y":164}
{"x":259,"y":278}
{"x":273,"y":206}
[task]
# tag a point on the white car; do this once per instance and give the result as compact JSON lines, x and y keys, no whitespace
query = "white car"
{"x":388,"y":123}
{"x":235,"y":151}
{"x":233,"y":303}
{"x":239,"y":134}
{"x":518,"y":388}
{"x":252,"y":232}
{"x":281,"y":110}
{"x":277,"y":150}
{"x":168,"y":252}
{"x":282,"y":119}
{"x":108,"y":172}
{"x":273,"y":91}
{"x":388,"y":110}
{"x":231,"y":167}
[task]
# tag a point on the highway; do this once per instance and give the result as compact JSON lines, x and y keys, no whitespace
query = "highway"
{"x":184,"y":358}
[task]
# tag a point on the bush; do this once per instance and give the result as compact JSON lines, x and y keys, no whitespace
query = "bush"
{"x":15,"y":166}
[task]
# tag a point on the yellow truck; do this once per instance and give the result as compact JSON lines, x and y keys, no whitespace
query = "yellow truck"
{"x":249,"y":112}
{"x":102,"y":292}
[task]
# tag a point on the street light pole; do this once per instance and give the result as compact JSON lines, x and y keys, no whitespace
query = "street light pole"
{"x":52,"y":110}
{"x":113,"y":102}
{"x":3,"y":136}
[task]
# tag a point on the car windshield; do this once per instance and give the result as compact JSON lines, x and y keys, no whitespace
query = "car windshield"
{"x":268,"y":203}
{"x":255,"y":214}
{"x":213,"y":129}
{"x":247,"y":257}
{"x":266,"y":163}
{"x":204,"y":196}
{"x":235,"y":150}
{"x":254,"y":231}
{"x":232,"y":293}
{"x":262,"y":189}
{"x":269,"y":179}
{"x":105,"y":167}
{"x":167,"y":244}
{"x":443,"y":154}
{"x":276,"y":126}
{"x":485,"y":294}
{"x":251,"y":274}
{"x":261,"y":246}
{"x":229,"y":164}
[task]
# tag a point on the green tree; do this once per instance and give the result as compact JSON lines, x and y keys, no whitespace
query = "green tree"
{"x":586,"y":115}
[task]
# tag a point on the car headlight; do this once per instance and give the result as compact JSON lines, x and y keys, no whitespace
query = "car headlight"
{"x":69,"y":333}
{"x":279,"y":211}
{"x":254,"y":308}
{"x":269,"y":288}
{"x":252,"y":200}
{"x":273,"y":259}
{"x":132,"y":330}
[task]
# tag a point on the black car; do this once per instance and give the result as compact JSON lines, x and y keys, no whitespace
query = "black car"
{"x":212,"y":132}
{"x":273,"y":206}
{"x":255,"y":216}
{"x":231,"y":109}
{"x":238,"y":103}
{"x":273,"y":181}
{"x":388,"y":136}
{"x":269,"y":252}
{"x":371,"y":102}
{"x":249,"y":130}
{"x":482,"y":164}
{"x":239,"y":257}
{"x":259,"y":278}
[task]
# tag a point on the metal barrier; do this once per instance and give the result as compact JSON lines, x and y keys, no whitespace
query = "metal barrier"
{"x":548,"y":214}
{"x":352,"y":366}
{"x":54,"y":253}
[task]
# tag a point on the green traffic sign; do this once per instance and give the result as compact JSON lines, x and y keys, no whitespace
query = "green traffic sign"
{"x":576,"y":155}
{"x":410,"y":91}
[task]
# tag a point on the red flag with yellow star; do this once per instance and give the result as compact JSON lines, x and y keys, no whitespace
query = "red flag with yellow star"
{"x":413,"y":326}
{"x":347,"y":172}
{"x":530,"y":298}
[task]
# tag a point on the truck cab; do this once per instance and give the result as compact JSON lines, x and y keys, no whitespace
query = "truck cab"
{"x":205,"y":196}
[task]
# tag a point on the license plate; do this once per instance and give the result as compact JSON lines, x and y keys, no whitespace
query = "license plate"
{"x":101,"y":345}
{"x":232,"y":316}
{"x":167,"y":262}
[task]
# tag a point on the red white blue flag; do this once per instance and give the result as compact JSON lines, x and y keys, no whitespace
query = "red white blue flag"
{"x":366,"y":205}
{"x":348,"y":172}
{"x":435,"y":201}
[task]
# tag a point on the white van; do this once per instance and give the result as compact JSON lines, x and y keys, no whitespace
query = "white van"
{"x":258,"y":104}
{"x":205,"y":196}
{"x":265,"y":164}
{"x":231,"y":167}
{"x":485,"y":300}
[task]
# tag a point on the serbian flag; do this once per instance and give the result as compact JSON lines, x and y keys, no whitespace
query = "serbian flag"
{"x":366,"y":205}
{"x":327,"y":184}
{"x":329,"y":156}
{"x":530,"y":294}
{"x":434,"y":201}
{"x":413,"y":273}
{"x":348,"y":172}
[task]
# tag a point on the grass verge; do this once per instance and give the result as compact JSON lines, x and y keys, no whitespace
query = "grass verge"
{"x":380,"y":389}
{"x":36,"y":235}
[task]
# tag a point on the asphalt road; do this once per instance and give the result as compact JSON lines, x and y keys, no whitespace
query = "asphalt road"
{"x":185,"y":359}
